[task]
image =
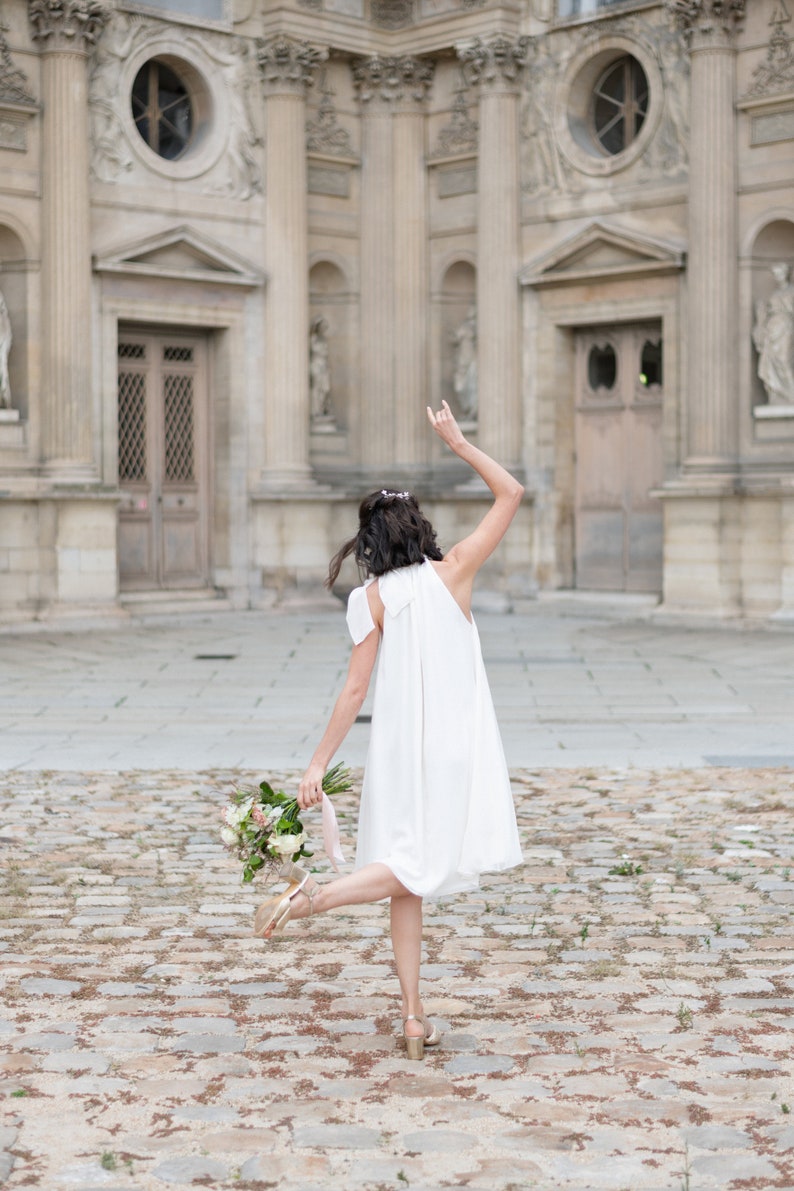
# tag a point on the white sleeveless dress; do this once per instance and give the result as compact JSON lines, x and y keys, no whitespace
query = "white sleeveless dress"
{"x":436,"y":804}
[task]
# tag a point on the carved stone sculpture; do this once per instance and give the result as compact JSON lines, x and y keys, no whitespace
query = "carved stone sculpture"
{"x":776,"y":72}
{"x":5,"y":347}
{"x":498,"y":61}
{"x":67,"y":24}
{"x":464,"y":379}
{"x":460,"y":134}
{"x":707,"y":18}
{"x":287,"y":65}
{"x":319,"y":369}
{"x":325,"y":134}
{"x":773,"y":336}
{"x":14,"y":85}
{"x":393,"y":79}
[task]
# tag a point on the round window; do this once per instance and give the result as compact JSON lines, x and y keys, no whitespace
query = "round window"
{"x":619,"y":105}
{"x":162,"y":109}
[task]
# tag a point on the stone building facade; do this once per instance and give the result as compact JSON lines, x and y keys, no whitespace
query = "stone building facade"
{"x":242,"y":245}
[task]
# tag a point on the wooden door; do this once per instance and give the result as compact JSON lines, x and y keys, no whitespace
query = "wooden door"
{"x":163,"y":461}
{"x":618,"y":436}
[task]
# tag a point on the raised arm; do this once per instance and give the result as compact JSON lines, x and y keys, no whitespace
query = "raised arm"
{"x":468,"y":555}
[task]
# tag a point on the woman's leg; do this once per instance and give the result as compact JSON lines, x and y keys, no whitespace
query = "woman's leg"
{"x":371,"y":883}
{"x":406,"y":939}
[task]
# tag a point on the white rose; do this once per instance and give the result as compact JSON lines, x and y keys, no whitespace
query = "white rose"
{"x":236,"y":815}
{"x":286,"y":845}
{"x":228,"y":836}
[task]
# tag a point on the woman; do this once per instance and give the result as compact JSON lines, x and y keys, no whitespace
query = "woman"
{"x":436,"y":807}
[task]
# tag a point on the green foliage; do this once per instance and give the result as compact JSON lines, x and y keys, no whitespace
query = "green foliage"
{"x":263,"y":815}
{"x":626,"y":868}
{"x":684,"y":1015}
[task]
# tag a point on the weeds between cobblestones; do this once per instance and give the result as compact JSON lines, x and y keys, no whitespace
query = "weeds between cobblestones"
{"x":617,"y":1010}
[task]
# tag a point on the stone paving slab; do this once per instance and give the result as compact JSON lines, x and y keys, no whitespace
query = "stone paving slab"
{"x":617,"y":1010}
{"x":592,"y":684}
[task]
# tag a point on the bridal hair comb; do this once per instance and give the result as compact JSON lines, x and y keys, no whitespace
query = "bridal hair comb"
{"x":395,"y":495}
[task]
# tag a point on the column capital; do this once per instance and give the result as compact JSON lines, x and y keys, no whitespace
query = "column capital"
{"x":287,"y":66}
{"x":393,"y":80}
{"x":497,"y":63}
{"x":707,"y":24}
{"x":67,"y":24}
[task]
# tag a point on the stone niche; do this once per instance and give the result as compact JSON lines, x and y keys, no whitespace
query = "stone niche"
{"x":331,"y":298}
{"x":773,"y":245}
{"x":458,"y":296}
{"x":14,"y":282}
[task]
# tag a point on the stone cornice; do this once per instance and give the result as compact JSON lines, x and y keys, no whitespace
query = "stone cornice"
{"x":707,"y":23}
{"x":287,"y":66}
{"x":61,"y":25}
{"x":393,"y":80}
{"x":496,"y":63}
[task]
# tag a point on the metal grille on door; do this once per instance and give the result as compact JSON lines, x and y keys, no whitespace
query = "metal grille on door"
{"x":162,"y":461}
{"x":619,"y":461}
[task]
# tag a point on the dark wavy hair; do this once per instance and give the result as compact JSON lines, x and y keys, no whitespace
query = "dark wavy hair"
{"x":392,"y":532}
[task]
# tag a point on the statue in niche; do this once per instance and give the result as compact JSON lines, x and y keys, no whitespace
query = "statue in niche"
{"x":773,"y":336}
{"x":319,"y":372}
{"x":5,"y":347}
{"x":464,"y":378}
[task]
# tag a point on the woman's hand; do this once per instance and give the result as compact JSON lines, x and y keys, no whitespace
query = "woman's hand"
{"x":310,"y":790}
{"x":446,"y":427}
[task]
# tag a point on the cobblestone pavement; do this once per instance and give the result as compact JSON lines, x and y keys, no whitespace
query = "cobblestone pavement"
{"x":617,"y":1010}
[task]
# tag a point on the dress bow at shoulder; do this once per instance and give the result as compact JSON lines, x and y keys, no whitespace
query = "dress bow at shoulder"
{"x":397,"y":589}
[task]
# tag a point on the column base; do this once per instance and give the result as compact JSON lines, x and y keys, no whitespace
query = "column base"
{"x":67,"y":473}
{"x":728,"y":554}
{"x":290,"y":481}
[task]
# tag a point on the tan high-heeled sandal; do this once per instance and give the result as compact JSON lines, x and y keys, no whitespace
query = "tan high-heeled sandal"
{"x":274,"y":914}
{"x":415,"y":1046}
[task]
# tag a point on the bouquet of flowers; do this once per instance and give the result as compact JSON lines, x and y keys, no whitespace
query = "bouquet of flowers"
{"x":262,"y":826}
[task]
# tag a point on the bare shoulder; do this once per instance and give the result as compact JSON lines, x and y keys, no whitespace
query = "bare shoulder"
{"x":457,"y":579}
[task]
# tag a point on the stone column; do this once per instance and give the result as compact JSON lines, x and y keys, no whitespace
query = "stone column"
{"x":394,"y":270}
{"x":712,"y":271}
{"x":66,"y":31}
{"x":496,"y":68}
{"x":287,"y":69}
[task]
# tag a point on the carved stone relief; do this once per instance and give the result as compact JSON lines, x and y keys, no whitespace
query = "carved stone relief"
{"x":545,"y":169}
{"x":324,"y":133}
{"x":776,"y":72}
{"x":67,"y":24}
{"x":393,"y":79}
{"x":496,"y":62}
{"x":460,"y":134}
{"x":709,"y":20}
{"x":667,"y":154}
{"x":14,"y":85}
{"x":237,"y":173}
{"x":542,"y":165}
{"x":286,"y":65}
{"x":17,"y":103}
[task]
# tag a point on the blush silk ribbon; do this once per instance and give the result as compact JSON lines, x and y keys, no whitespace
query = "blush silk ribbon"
{"x":333,"y":848}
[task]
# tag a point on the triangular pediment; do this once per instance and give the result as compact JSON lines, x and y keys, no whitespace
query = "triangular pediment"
{"x":181,"y":253}
{"x":602,"y":250}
